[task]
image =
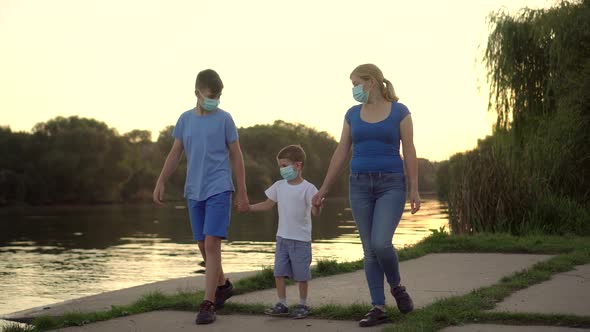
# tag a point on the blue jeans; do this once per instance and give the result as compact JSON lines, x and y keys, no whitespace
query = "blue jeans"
{"x":377,"y":201}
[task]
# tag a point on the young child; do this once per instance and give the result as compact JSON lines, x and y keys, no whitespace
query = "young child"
{"x":209,"y":138}
{"x":293,"y":248}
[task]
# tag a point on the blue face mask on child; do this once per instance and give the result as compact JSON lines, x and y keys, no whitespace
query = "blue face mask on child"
{"x":288,"y":173}
{"x":359,"y":94}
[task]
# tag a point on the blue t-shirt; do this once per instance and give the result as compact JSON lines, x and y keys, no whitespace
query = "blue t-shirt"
{"x":376,"y":145}
{"x":206,"y":140}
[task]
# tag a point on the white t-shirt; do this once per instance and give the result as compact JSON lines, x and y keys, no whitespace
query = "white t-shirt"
{"x":294,"y":203}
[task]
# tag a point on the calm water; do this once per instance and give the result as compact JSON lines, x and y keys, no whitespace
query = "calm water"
{"x":54,"y":254}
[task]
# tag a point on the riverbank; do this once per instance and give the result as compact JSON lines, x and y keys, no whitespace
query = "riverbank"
{"x":455,"y":280}
{"x":54,"y":255}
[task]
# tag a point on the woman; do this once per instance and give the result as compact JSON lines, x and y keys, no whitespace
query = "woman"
{"x":377,"y":182}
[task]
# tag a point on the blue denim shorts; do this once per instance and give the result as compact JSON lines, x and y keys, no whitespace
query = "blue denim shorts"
{"x":211,"y":216}
{"x":292,"y":259}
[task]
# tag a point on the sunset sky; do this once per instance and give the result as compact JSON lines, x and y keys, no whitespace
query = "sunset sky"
{"x":132,"y":64}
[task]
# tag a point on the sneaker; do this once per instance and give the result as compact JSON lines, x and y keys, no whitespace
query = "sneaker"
{"x":300,"y":311}
{"x":374,"y":317}
{"x":278,"y":310}
{"x":223,"y":293}
{"x":206,"y":313}
{"x":403,"y":299}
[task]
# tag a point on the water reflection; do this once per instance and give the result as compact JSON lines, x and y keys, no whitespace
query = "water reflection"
{"x":54,"y":254}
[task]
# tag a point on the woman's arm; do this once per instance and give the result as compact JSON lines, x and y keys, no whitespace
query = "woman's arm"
{"x":336,"y":164}
{"x":407,"y":137}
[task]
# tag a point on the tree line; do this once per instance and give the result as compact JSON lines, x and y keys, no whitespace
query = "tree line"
{"x":73,"y":160}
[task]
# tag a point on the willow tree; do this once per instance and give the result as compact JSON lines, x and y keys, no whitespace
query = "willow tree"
{"x":533,"y":173}
{"x":537,"y":58}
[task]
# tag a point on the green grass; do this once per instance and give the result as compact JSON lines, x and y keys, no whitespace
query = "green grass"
{"x":569,"y":251}
{"x":264,"y":279}
{"x":17,"y":328}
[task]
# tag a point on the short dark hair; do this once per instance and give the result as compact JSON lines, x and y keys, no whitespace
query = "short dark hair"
{"x":209,"y":78}
{"x":294,"y":153}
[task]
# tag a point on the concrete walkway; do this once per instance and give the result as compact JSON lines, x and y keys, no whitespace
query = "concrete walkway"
{"x":566,"y":293}
{"x":103,"y":301}
{"x":427,"y":279}
{"x":173,"y":321}
{"x":506,"y":328}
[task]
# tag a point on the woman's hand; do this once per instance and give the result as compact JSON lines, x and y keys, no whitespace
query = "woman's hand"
{"x":414,"y":201}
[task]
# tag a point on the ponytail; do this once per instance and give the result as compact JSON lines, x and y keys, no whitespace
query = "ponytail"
{"x":388,"y":91}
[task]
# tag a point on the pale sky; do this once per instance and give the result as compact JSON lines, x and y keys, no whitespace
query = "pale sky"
{"x":132,"y":63}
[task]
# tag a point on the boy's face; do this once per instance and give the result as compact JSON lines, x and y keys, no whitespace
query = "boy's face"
{"x":206,"y":93}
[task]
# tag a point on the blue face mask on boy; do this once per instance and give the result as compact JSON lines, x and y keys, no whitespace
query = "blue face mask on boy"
{"x":210,"y":104}
{"x":359,"y":94}
{"x":288,"y":173}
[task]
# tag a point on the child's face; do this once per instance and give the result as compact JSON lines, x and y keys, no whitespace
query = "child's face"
{"x":287,"y":162}
{"x":206,"y":93}
{"x":289,"y":170}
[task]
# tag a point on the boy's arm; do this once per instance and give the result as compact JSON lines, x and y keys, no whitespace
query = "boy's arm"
{"x":169,"y":166}
{"x":262,"y":206}
{"x":237,"y":161}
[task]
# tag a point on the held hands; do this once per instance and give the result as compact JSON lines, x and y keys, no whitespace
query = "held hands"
{"x":414,"y":201}
{"x":318,"y":199}
{"x":241,"y":202}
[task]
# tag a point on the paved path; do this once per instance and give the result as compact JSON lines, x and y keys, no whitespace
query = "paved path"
{"x":565,"y":293}
{"x":427,"y":278}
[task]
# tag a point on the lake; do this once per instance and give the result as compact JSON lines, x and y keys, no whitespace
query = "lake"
{"x":52,"y":254}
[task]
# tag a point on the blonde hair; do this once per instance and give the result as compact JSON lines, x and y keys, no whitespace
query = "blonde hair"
{"x":370,"y":71}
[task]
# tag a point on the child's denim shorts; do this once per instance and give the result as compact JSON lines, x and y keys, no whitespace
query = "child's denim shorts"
{"x":292,"y":259}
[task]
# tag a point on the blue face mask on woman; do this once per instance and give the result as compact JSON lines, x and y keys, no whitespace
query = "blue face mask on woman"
{"x":359,"y":94}
{"x":289,"y":173}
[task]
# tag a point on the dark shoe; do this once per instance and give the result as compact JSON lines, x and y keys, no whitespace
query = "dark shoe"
{"x":206,"y":313}
{"x":300,"y":311}
{"x":374,"y":317}
{"x":278,"y":310}
{"x":223,"y":293}
{"x":403,"y":299}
